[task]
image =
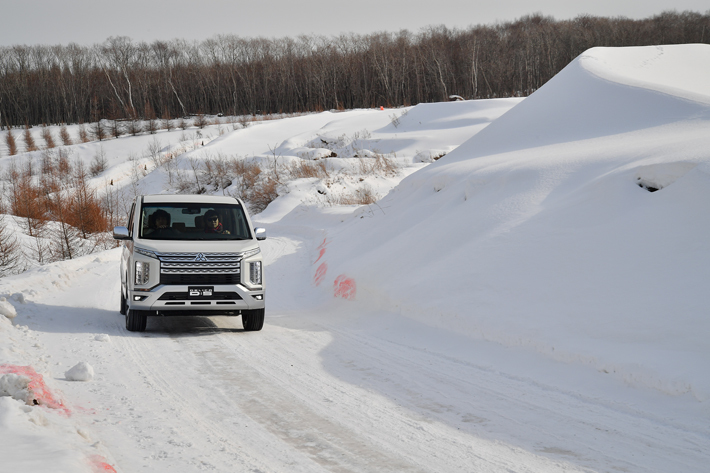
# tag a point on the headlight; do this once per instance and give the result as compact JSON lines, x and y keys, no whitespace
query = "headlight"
{"x":255,"y":272}
{"x":144,"y":252}
{"x":249,"y":253}
{"x":142,"y":272}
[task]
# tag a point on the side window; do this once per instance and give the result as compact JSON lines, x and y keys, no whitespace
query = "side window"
{"x":130,"y":219}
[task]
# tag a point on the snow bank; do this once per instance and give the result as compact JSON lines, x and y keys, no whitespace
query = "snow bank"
{"x":15,"y":386}
{"x":540,"y":231}
{"x":604,"y":92}
{"x":7,"y":309}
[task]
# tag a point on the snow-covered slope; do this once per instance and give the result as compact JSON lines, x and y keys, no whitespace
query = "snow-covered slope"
{"x":535,"y":232}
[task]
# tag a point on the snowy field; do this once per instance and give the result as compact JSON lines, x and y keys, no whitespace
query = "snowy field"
{"x":516,"y":300}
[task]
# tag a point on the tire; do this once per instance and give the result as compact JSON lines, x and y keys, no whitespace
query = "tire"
{"x":124,"y":304}
{"x":136,"y":320}
{"x":253,"y":320}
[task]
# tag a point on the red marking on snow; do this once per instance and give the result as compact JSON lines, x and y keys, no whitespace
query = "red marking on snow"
{"x":98,"y":464}
{"x":40,"y":391}
{"x":344,"y":287}
{"x":320,"y":274}
{"x":322,"y":252}
{"x":324,"y":244}
{"x":86,"y":410}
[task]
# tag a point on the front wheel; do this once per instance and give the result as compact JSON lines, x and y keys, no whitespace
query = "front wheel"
{"x":253,"y":320}
{"x":124,"y":304}
{"x":136,"y":320}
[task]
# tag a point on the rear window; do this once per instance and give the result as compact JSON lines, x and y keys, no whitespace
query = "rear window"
{"x":193,"y":222}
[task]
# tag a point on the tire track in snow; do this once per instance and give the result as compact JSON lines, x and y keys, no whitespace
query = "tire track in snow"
{"x":171,"y":394}
{"x":276,"y":409}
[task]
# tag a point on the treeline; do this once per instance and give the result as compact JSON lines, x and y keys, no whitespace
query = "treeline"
{"x":228,"y":74}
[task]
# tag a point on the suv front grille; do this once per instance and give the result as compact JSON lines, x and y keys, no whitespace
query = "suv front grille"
{"x":200,"y":268}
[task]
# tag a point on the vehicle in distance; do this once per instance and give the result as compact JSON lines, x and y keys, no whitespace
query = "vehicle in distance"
{"x":191,"y":255}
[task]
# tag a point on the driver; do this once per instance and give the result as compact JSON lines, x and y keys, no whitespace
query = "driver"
{"x":213,"y":223}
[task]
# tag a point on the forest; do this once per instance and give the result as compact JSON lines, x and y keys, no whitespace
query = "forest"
{"x":122,"y":79}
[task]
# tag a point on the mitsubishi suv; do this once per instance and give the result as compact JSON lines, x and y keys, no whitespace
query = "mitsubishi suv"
{"x":190,"y":255}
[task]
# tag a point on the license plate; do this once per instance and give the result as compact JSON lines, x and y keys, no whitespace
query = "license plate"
{"x":200,"y":291}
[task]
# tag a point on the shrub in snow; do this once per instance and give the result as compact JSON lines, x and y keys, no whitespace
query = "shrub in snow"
{"x":15,"y":386}
{"x":82,"y":371}
{"x":7,"y":309}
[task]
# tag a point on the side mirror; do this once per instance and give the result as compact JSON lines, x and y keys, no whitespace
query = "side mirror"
{"x":121,"y":233}
{"x":260,"y":233}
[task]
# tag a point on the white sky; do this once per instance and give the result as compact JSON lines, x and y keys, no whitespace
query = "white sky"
{"x":92,"y":21}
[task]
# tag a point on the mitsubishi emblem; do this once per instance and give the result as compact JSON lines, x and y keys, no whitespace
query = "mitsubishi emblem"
{"x":200,"y":257}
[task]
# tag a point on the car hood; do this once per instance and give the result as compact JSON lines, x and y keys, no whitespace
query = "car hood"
{"x":172,"y":246}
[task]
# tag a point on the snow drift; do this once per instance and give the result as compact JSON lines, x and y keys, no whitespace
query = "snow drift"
{"x":540,"y":231}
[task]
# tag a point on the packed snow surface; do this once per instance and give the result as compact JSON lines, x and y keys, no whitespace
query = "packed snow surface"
{"x":530,"y":296}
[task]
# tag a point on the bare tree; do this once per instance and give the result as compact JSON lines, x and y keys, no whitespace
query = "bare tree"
{"x":151,"y":119}
{"x":48,"y":138}
{"x":86,"y":213}
{"x":154,"y":149}
{"x":200,"y":120}
{"x":98,"y":130}
{"x":29,"y":140}
{"x":168,"y":123}
{"x":99,"y":163}
{"x":66,"y":243}
{"x":134,"y":126}
{"x":64,"y":135}
{"x":10,"y":142}
{"x":83,"y":135}
{"x":10,"y":254}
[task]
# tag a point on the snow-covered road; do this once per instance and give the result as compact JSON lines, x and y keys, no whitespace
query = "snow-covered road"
{"x":327,"y":387}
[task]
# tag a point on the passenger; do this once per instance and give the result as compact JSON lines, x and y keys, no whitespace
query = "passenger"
{"x":213,"y":224}
{"x":159,"y":224}
{"x":162,"y":219}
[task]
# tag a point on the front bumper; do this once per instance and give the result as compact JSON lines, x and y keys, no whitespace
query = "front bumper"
{"x":227,"y":299}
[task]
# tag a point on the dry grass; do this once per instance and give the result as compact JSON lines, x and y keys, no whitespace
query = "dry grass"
{"x":302,"y":169}
{"x":379,"y":165}
{"x":261,"y":195}
{"x":365,"y":195}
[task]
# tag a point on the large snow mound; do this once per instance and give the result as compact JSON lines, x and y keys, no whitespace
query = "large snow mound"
{"x":540,"y":231}
{"x":605,"y":91}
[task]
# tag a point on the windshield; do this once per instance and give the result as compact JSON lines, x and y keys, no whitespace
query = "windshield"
{"x":193,"y":222}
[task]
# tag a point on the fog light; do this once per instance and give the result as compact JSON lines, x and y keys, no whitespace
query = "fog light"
{"x":139,"y":298}
{"x":258,"y":297}
{"x":255,"y":272}
{"x":142,"y":272}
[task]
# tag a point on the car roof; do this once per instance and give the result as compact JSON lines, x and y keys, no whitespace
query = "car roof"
{"x":188,"y":199}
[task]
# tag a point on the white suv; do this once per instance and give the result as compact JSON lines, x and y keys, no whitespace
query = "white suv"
{"x":191,"y":255}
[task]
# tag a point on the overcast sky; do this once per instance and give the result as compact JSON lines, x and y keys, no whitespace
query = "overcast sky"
{"x":89,"y":22}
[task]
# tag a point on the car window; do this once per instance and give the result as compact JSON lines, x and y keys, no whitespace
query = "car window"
{"x":173,"y":221}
